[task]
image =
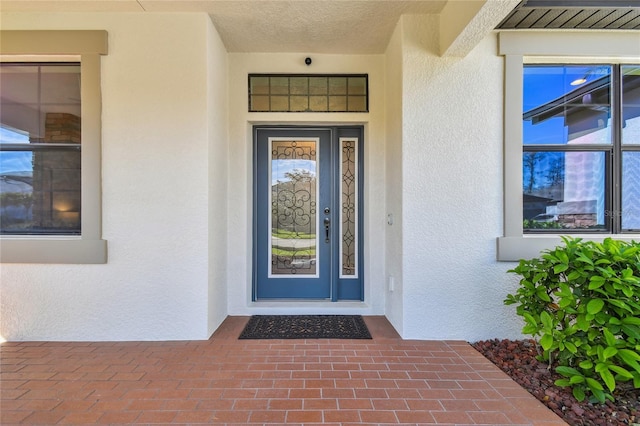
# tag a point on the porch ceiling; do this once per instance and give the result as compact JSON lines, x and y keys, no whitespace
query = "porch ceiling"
{"x":574,"y":14}
{"x":304,"y":26}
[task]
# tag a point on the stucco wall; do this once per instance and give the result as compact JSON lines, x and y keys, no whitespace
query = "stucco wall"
{"x":452,"y":147}
{"x":393,"y":163}
{"x":158,"y":130}
{"x":218,"y":135}
{"x":177,"y":204}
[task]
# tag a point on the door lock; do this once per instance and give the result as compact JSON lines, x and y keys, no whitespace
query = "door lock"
{"x":327,"y":225}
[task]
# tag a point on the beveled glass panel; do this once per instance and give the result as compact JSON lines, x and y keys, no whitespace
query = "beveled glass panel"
{"x":357,"y":86}
{"x":299,"y":85}
{"x":566,"y":104}
{"x":563,"y":190}
{"x":299,"y":103}
{"x":279,"y":103}
{"x":630,"y":191}
{"x":337,"y":103}
{"x":357,"y":103}
{"x":347,"y":93}
{"x":318,"y":85}
{"x":337,"y":86}
{"x":348,"y":208}
{"x":631,"y":104}
{"x":259,"y":85}
{"x":260,"y":103}
{"x":318,"y":103}
{"x":293,"y":200}
{"x":279,"y":85}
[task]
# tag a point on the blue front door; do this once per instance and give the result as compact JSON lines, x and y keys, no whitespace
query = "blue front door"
{"x":307,"y":213}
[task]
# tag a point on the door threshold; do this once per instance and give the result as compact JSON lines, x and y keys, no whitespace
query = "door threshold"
{"x":311,"y":307}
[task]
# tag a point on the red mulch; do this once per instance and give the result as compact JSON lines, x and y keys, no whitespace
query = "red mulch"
{"x":517,"y":358}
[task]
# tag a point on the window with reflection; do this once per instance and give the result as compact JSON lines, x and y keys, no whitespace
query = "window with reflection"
{"x":581,"y":148}
{"x":40,"y":148}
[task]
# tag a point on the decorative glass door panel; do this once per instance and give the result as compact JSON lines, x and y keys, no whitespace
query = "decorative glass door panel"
{"x":293,"y":221}
{"x":307,"y":213}
{"x":348,"y":207}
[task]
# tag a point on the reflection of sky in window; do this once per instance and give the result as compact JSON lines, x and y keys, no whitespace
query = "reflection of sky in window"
{"x":546,"y":164}
{"x":630,"y":107}
{"x":280,"y":167}
{"x":14,"y":161}
{"x":543,"y":84}
{"x":12,"y":136}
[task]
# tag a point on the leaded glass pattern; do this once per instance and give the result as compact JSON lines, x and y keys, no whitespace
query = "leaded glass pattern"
{"x":308,"y":93}
{"x":348,"y":207}
{"x":293,"y":221}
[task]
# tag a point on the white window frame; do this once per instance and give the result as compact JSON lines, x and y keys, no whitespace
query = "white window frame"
{"x":87,"y":48}
{"x":539,"y":47}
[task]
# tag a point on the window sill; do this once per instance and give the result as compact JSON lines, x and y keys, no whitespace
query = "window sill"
{"x":512,"y":249}
{"x":53,"y":250}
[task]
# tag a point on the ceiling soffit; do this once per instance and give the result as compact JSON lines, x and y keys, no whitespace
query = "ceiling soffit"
{"x":574,"y":14}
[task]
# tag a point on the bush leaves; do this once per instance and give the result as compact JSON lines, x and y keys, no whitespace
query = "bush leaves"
{"x":582,"y":301}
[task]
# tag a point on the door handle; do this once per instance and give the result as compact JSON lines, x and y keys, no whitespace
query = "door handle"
{"x":327,"y":225}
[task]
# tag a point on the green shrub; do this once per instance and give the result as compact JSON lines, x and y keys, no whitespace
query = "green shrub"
{"x":582,"y":301}
{"x":532,"y":224}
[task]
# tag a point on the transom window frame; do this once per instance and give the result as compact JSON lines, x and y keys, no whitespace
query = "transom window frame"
{"x":531,"y":47}
{"x":294,"y":92}
{"x":85,"y":47}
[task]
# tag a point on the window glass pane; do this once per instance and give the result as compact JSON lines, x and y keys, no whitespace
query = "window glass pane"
{"x":348,"y":210}
{"x":40,"y":191}
{"x":308,"y":93}
{"x":357,"y":103}
{"x":337,"y":86}
{"x":563,"y":190}
{"x":293,"y":222}
{"x":318,"y":85}
{"x":19,"y":109}
{"x":279,"y":103}
{"x":299,"y":85}
{"x":631,"y":191}
{"x":631,"y":104}
{"x":357,"y":86}
{"x":259,"y":85}
{"x":8,"y":135}
{"x":318,"y":103}
{"x":299,"y":103}
{"x":259,"y":103}
{"x":279,"y":85}
{"x":337,"y":103}
{"x":566,"y":104}
{"x":40,"y":182}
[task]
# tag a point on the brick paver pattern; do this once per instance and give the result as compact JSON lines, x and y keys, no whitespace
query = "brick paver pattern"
{"x":223,"y":380}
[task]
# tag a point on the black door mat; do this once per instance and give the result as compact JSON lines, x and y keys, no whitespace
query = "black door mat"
{"x":305,"y":327}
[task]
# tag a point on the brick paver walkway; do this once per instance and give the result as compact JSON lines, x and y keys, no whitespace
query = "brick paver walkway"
{"x":386,"y":380}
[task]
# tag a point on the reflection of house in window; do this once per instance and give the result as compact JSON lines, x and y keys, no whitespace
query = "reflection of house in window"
{"x":585,"y":110}
{"x":56,"y":176}
{"x":42,"y":103}
{"x":534,"y":206}
{"x":588,"y":153}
